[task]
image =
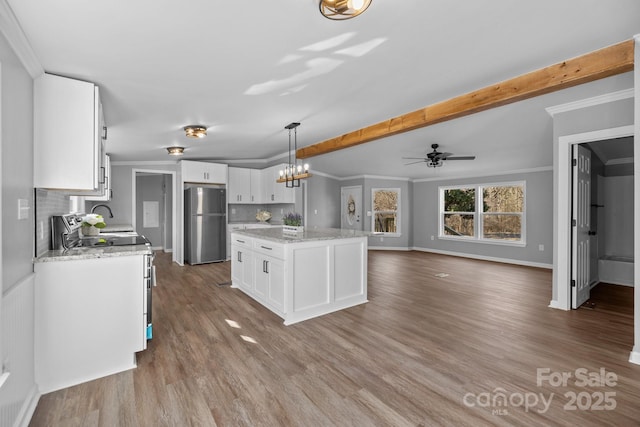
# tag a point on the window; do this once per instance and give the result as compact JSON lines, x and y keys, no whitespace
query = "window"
{"x":487,"y":213}
{"x":386,"y":211}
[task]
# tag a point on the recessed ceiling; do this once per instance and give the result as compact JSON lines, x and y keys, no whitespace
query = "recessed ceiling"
{"x":164,"y":65}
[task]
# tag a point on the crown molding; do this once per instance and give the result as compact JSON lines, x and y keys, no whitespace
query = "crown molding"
{"x":144,"y":163}
{"x":17,"y":39}
{"x":590,"y":102}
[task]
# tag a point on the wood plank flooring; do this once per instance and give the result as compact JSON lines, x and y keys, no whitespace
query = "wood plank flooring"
{"x":461,"y":350}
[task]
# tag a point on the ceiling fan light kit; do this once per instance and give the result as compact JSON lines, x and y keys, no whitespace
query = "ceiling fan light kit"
{"x":195,"y":131}
{"x":339,"y":10}
{"x":435,"y":159}
{"x":293,"y":172}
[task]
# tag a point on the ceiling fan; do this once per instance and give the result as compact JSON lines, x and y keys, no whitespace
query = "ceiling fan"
{"x":435,"y":158}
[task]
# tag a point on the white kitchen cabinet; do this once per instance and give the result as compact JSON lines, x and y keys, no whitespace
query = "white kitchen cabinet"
{"x":204,"y":172}
{"x":256,"y":179}
{"x":105,"y":190}
{"x":88,"y":318}
{"x":276,"y":192}
{"x":245,"y":186}
{"x":242,"y":267}
{"x":239,"y":190}
{"x":68,"y":124}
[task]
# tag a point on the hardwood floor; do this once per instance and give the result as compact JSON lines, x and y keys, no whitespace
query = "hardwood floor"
{"x":424,"y":351}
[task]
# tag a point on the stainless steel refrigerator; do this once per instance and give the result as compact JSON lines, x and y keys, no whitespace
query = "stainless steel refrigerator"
{"x":205,"y":224}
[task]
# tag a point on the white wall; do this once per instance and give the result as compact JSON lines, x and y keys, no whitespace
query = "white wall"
{"x":617,"y":216}
{"x":17,"y":395}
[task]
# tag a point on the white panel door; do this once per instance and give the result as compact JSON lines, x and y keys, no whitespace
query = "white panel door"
{"x":351,"y":207}
{"x":581,"y":218}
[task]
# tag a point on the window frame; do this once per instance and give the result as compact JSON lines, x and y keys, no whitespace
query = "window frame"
{"x":479,"y":214}
{"x":398,"y":212}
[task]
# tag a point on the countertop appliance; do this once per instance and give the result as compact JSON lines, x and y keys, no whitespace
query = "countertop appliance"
{"x":205,"y":224}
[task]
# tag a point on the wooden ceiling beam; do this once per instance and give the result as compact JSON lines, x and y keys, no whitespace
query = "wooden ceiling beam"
{"x":606,"y":62}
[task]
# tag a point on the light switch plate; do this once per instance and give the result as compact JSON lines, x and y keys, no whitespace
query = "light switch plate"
{"x":23,"y":209}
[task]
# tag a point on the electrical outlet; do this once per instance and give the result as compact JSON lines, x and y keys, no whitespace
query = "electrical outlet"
{"x":315,"y":211}
{"x":281,"y":211}
{"x":432,"y":237}
{"x":233,"y":211}
{"x":541,"y":248}
{"x":382,"y":239}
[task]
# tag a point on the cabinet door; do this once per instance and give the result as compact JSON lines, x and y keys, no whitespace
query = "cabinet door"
{"x":255,"y":176}
{"x":261,"y":277}
{"x":204,"y":172}
{"x":239,"y":185}
{"x":275,"y":291}
{"x":248,"y":279}
{"x":65,"y":122}
{"x":105,"y":188}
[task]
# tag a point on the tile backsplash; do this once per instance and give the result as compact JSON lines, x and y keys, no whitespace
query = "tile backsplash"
{"x":247,"y":213}
{"x":48,"y":203}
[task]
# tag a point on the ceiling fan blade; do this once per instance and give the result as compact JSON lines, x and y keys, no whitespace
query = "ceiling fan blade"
{"x":413,"y":158}
{"x":460,"y":158}
{"x":413,"y":163}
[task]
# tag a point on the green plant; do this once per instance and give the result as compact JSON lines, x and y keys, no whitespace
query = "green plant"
{"x":293,"y":219}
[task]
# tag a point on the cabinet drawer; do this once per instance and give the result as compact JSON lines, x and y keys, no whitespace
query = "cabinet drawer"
{"x":241,"y":240}
{"x":269,"y":248}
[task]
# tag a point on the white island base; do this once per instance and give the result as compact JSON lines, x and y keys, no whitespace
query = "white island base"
{"x":301,"y":276}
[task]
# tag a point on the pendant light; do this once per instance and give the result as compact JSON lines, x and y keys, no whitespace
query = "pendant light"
{"x":293,"y":172}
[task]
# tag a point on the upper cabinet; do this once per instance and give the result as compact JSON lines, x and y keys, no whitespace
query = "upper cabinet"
{"x":276,"y":192}
{"x":68,"y":125}
{"x":203,"y":172}
{"x":105,"y":191}
{"x":245,"y":185}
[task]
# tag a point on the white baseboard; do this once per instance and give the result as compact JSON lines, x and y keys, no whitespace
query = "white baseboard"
{"x":486,"y":258}
{"x":635,"y":356}
{"x":28,"y":408}
{"x":388,"y":248}
{"x":555,"y":304}
{"x":168,"y":251}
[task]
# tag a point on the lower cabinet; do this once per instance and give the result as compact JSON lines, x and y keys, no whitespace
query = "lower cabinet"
{"x":88,"y":319}
{"x":257,"y":272}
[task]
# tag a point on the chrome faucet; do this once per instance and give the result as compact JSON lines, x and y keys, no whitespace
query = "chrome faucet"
{"x":93,"y":209}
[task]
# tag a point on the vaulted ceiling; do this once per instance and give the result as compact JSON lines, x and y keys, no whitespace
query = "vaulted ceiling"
{"x":247,"y":73}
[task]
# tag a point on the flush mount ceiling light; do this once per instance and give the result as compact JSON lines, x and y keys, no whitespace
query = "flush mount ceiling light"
{"x":175,"y":151}
{"x":343,"y":9}
{"x":195,"y":131}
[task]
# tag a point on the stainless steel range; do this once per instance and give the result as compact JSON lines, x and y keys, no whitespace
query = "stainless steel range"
{"x":65,"y":234}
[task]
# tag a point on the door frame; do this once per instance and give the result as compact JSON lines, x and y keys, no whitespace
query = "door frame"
{"x":174,"y":208}
{"x":562,"y":244}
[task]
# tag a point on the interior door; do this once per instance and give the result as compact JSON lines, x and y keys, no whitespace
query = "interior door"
{"x":351,"y":207}
{"x":581,"y":224}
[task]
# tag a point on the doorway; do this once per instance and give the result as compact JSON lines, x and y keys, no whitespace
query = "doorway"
{"x":154,"y":207}
{"x":351,"y":207}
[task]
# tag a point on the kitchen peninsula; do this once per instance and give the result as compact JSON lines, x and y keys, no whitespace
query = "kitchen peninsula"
{"x":301,"y":275}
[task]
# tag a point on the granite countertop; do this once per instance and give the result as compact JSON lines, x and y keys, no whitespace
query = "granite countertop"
{"x":91,"y":253}
{"x":309,"y":234}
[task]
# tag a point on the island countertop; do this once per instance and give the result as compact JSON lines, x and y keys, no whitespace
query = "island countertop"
{"x":275,"y":234}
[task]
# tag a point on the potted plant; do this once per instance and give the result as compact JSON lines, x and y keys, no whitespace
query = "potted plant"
{"x":91,"y":224}
{"x":292,"y":222}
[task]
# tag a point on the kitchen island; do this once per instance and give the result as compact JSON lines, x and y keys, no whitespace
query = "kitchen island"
{"x":302,"y":275}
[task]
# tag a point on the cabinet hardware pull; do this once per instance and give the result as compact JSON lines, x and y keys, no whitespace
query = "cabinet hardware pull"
{"x":266,"y":267}
{"x":239,"y":256}
{"x":264,"y":247}
{"x":104,"y":175}
{"x":104,"y":135}
{"x":239,"y":241}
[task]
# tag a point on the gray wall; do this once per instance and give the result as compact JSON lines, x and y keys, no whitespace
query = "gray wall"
{"x":149,"y":188}
{"x":16,"y":124}
{"x":121,"y":202}
{"x":539,"y":217}
{"x":323,"y":202}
